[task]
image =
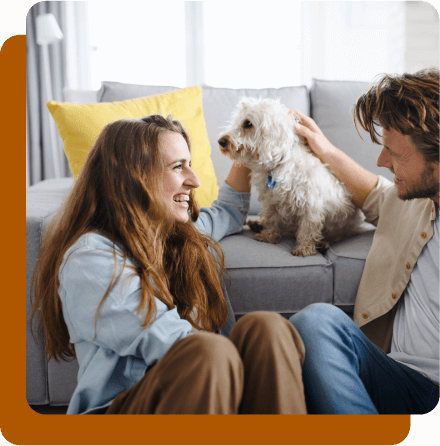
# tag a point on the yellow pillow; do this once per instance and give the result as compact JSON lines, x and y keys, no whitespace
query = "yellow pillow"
{"x":79,"y":125}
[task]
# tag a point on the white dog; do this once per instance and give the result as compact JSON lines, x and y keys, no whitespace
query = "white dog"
{"x":300,"y":196}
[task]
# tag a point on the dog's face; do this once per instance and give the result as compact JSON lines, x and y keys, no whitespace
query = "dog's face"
{"x":261,"y":133}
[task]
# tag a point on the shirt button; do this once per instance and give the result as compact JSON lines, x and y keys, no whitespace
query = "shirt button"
{"x":393,"y":295}
{"x":408,"y":266}
{"x":423,"y":234}
{"x":365,"y":315}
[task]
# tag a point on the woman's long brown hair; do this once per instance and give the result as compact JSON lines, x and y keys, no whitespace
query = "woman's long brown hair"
{"x":116,"y":195}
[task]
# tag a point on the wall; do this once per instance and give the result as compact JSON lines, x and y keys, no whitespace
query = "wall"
{"x":422,"y":36}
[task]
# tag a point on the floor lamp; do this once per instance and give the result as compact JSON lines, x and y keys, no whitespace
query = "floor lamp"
{"x":49,"y":32}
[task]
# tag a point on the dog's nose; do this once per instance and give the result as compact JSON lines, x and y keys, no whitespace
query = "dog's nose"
{"x":226,"y":144}
{"x":223,"y":141}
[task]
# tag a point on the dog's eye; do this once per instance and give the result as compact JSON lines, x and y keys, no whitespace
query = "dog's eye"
{"x":247,"y":124}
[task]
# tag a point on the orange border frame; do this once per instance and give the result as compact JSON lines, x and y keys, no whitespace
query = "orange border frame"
{"x":21,"y":425}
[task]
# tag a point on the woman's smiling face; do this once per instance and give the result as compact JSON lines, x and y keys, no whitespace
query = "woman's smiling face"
{"x":178,"y":177}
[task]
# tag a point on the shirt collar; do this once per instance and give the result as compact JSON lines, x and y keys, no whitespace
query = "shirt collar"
{"x":434,"y":210}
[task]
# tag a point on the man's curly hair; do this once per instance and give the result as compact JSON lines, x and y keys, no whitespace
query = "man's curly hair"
{"x":407,"y":103}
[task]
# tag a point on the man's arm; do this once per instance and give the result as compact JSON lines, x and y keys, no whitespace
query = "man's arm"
{"x":359,"y":181}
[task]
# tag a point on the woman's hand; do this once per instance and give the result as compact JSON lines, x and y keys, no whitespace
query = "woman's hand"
{"x":239,"y":178}
{"x":316,"y":139}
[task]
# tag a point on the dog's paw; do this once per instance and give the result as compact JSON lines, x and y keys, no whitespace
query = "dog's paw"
{"x":304,"y":250}
{"x":322,"y":247}
{"x":268,"y":237}
{"x":255,"y":225}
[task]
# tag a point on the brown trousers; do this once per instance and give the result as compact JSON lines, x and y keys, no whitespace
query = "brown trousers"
{"x":258,"y":370}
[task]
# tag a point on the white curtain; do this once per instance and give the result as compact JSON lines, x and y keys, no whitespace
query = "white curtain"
{"x":40,"y":162}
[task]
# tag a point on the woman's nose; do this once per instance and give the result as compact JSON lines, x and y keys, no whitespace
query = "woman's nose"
{"x":192,"y":179}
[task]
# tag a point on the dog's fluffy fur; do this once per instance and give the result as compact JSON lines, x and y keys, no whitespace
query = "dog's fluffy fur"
{"x":307,"y":202}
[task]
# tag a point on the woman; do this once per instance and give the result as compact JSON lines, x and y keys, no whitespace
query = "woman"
{"x":129,"y":281}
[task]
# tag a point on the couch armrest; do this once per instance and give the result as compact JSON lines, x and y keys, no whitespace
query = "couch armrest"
{"x":42,"y":200}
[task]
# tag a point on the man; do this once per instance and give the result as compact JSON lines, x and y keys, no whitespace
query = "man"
{"x":387,"y":360}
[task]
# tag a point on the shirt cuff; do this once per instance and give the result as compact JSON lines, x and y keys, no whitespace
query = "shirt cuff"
{"x":228,"y":194}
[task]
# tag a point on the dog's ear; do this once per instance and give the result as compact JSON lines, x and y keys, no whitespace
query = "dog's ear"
{"x":266,"y":101}
{"x":245,"y":102}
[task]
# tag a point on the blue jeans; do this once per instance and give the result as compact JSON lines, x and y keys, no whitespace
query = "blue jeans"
{"x":345,"y":373}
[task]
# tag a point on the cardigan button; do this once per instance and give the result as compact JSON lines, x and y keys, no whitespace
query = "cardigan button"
{"x":423,"y":234}
{"x":408,"y":266}
{"x":393,"y":295}
{"x":365,"y":315}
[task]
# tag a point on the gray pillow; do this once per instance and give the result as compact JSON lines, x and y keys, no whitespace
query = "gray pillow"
{"x":331,"y":106}
{"x":118,"y":91}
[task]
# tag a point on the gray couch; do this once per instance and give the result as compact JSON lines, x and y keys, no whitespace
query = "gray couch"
{"x":263,"y":276}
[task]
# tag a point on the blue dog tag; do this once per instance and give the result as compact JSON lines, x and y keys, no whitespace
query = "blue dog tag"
{"x":270,"y":183}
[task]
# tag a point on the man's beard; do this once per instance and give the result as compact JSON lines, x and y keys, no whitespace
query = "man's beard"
{"x":426,"y":187}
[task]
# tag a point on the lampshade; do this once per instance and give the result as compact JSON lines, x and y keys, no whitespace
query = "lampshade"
{"x":48,"y":30}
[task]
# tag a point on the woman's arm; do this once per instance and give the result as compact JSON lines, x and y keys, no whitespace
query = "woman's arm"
{"x":228,"y":213}
{"x":359,"y":181}
{"x":84,"y":279}
{"x":239,"y":178}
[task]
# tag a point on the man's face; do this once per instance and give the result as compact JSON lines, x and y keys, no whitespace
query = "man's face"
{"x":413,"y":176}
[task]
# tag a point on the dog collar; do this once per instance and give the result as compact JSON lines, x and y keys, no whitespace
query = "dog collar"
{"x":270,"y":182}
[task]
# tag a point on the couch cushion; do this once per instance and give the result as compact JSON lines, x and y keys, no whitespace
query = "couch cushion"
{"x":80,"y":124}
{"x":348,"y":259}
{"x":331,"y":106}
{"x":218,"y":104}
{"x":267,"y":277}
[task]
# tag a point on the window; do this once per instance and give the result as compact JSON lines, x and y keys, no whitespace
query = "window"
{"x":252,"y":44}
{"x":243,"y":44}
{"x":138,"y":42}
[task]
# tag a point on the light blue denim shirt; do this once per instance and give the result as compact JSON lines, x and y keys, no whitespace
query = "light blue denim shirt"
{"x":116,"y":356}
